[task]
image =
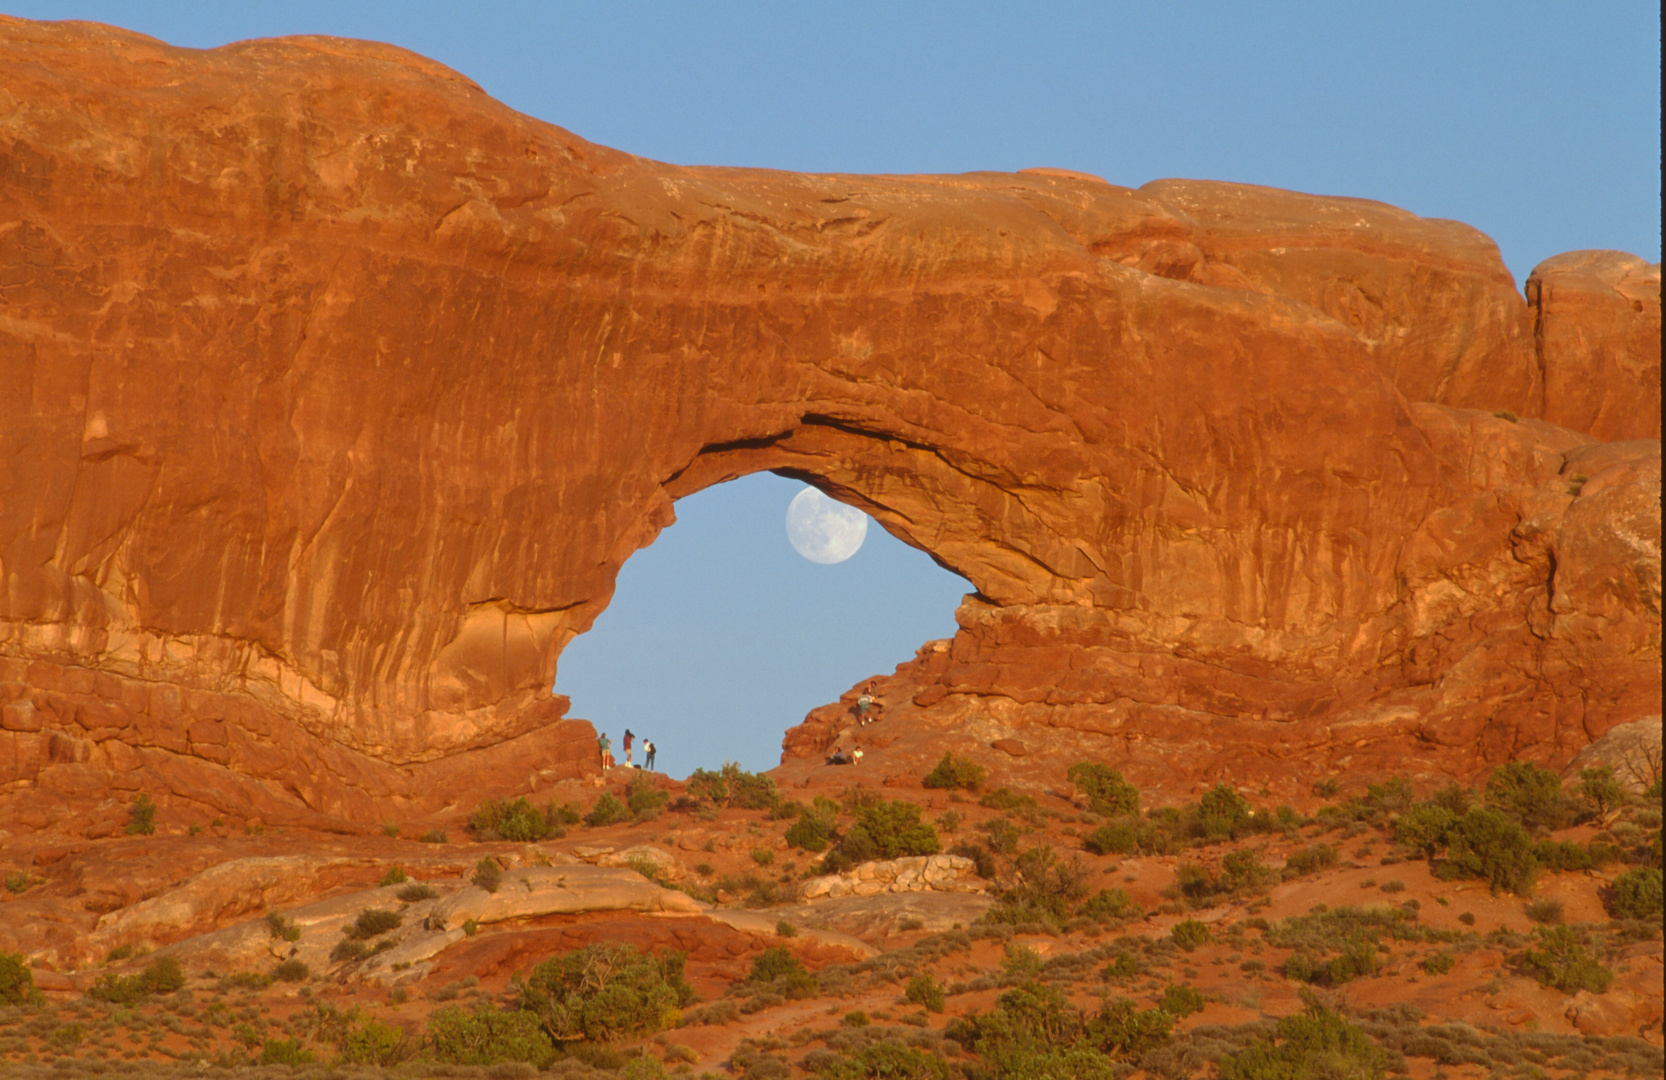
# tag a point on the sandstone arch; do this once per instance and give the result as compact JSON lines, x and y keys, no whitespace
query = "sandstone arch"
{"x":335,"y":393}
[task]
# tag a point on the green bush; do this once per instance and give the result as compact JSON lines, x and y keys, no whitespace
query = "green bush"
{"x":1110,"y":905}
{"x":1106,"y":791}
{"x":773,"y":963}
{"x":1487,"y":843}
{"x":606,"y":992}
{"x":1006,"y":799}
{"x":161,"y":976}
{"x":813,"y":830}
{"x":953,"y":772}
{"x":284,"y":1052}
{"x":1357,"y":958}
{"x":1041,"y":888}
{"x":606,"y":810}
{"x":141,"y":816}
{"x":1531,"y":795}
{"x":1180,"y":1002}
{"x":1636,"y":894}
{"x":923,"y":990}
{"x":1189,"y":934}
{"x":1036,"y":1034}
{"x":1563,"y":960}
{"x":488,"y":874}
{"x":1313,"y":1045}
{"x":1003,"y":835}
{"x":487,"y":1036}
{"x":1564,"y":855}
{"x":733,"y":787}
{"x":371,"y":1042}
{"x":348,"y":949}
{"x":1114,"y":838}
{"x":643,"y":798}
{"x":18,"y":881}
{"x":416,"y":891}
{"x":395,"y":876}
{"x":1439,"y":963}
{"x":1424,"y":828}
{"x":1309,"y":860}
{"x":17,"y":982}
{"x":1600,"y":790}
{"x":886,"y":830}
{"x":292,"y":970}
{"x":510,"y":819}
{"x":372,"y":922}
{"x":1544,"y":910}
{"x":279,"y":927}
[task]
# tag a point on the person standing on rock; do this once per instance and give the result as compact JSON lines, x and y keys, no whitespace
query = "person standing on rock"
{"x":607,"y":751}
{"x":629,"y":738}
{"x":648,"y":754}
{"x":863,"y":704}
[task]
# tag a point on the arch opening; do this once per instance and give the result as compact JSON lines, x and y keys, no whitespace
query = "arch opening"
{"x":719,"y":636}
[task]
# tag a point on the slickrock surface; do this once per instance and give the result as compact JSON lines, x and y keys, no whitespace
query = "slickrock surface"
{"x":334,"y":394}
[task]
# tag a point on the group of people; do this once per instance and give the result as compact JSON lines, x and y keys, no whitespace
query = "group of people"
{"x":866,"y":701}
{"x":841,"y":758}
{"x":629,"y":748}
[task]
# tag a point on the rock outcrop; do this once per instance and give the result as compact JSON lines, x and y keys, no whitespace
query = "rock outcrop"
{"x":334,"y":394}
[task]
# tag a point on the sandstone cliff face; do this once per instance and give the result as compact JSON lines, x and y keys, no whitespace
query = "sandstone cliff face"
{"x":333,"y":395}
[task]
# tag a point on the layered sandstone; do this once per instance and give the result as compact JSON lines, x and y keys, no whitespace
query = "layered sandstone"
{"x":333,"y":395}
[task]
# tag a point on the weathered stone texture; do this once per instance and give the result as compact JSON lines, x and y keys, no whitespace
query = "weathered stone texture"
{"x":333,"y":395}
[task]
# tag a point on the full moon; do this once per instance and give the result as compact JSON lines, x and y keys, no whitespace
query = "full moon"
{"x":822,"y":530}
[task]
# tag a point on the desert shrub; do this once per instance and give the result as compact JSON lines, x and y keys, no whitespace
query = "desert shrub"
{"x":1180,"y":1002}
{"x":141,"y":816}
{"x":643,"y":798}
{"x":983,"y":860}
{"x":924,"y":991}
{"x":1104,"y":788}
{"x":1109,"y":905}
{"x":432,"y":836}
{"x":18,"y":881}
{"x":161,"y":976}
{"x":606,"y":810}
{"x":1006,"y":799}
{"x":487,"y":1036}
{"x":1316,"y":1044}
{"x":1600,"y":790}
{"x":17,"y":982}
{"x":1544,"y":910}
{"x":1244,"y":870}
{"x":813,"y":830}
{"x":292,"y":970}
{"x":371,"y":1042}
{"x":1002,"y":835}
{"x":1223,"y":813}
{"x":1424,"y":828}
{"x":1189,"y":934}
{"x":509,"y":819}
{"x":952,"y":772}
{"x":772,"y":963}
{"x":372,"y":922}
{"x":605,"y":992}
{"x":1563,"y":855}
{"x":1040,"y":888}
{"x":783,"y":928}
{"x":1113,"y":838}
{"x":1562,"y":959}
{"x":1392,"y":796}
{"x":1357,"y":957}
{"x":348,"y":949}
{"x":734,"y":787}
{"x":1636,"y":894}
{"x":886,"y":830}
{"x":1487,"y":843}
{"x":279,"y":927}
{"x":416,"y":891}
{"x":1309,"y":860}
{"x":487,"y":874}
{"x":395,"y":876}
{"x":1439,"y":963}
{"x":1531,"y":795}
{"x":284,"y":1052}
{"x":1034,"y":1031}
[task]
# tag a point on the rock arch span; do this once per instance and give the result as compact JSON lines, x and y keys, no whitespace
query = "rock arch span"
{"x":333,"y":394}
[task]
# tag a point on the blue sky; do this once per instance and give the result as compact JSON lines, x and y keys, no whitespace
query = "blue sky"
{"x":1536,"y":122}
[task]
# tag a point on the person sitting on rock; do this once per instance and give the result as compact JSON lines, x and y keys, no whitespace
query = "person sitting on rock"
{"x":648,"y":754}
{"x":838,"y":757}
{"x":856,"y":755}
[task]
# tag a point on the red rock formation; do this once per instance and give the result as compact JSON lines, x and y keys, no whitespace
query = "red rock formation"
{"x":1596,"y":318}
{"x":333,"y":395}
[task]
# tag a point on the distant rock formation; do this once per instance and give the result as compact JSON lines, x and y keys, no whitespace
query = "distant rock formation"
{"x":334,"y":394}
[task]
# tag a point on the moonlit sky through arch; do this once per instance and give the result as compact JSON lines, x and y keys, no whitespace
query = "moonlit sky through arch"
{"x":1537,"y":122}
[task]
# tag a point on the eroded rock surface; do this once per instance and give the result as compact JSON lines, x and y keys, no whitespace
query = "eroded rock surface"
{"x":334,"y":394}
